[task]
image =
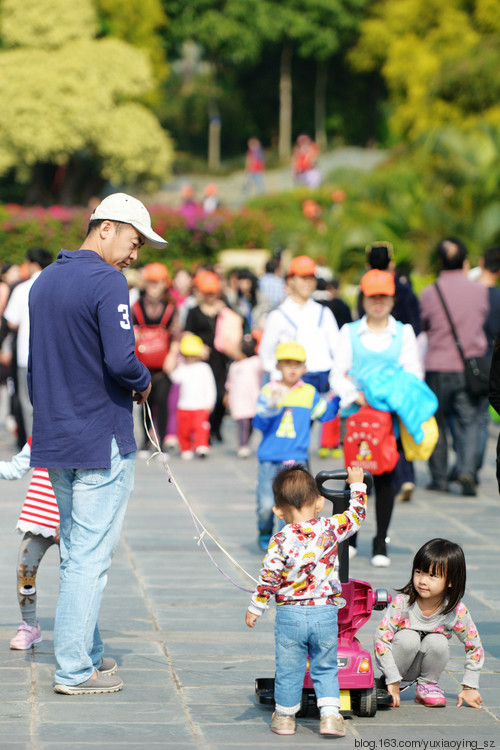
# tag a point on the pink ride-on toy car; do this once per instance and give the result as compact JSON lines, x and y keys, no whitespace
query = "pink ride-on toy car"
{"x":358,"y":691}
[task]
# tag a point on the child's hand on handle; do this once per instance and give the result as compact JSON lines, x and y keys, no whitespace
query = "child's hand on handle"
{"x":470,"y":696}
{"x":250,"y":619}
{"x":354,"y":474}
{"x":393,"y":690}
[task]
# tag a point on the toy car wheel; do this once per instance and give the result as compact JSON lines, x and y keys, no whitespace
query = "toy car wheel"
{"x":366,"y":702}
{"x":264,"y":690}
{"x":382,"y":599}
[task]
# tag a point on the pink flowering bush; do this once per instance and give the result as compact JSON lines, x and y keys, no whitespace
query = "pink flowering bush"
{"x":192,"y":236}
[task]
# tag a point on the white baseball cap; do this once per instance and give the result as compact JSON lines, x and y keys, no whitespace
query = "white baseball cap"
{"x":129,"y":210}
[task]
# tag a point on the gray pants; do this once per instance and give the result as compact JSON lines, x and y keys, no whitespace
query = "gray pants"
{"x":33,"y":548}
{"x":420,"y":658}
{"x":465,"y":412}
{"x":24,"y":399}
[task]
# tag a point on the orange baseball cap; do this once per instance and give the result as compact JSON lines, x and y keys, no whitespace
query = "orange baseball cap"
{"x":302,"y":265}
{"x":156,"y":272}
{"x":378,"y":282}
{"x":207,"y":282}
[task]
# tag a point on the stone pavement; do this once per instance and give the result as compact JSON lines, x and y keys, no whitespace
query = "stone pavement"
{"x":231,"y":187}
{"x":176,"y":625}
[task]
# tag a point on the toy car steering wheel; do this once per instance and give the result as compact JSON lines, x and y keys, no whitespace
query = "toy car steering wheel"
{"x":339,"y":474}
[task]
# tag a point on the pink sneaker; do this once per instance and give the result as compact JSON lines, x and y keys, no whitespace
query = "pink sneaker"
{"x":430,"y":694}
{"x":26,"y":636}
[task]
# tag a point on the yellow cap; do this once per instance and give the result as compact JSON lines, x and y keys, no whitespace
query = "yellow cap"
{"x":191,"y":345}
{"x":290,"y":350}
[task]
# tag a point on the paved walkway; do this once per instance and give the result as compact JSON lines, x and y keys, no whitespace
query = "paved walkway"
{"x":176,"y":626}
{"x":276,"y":180}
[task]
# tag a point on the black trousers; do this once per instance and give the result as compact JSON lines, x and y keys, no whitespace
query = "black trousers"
{"x":384,"y":503}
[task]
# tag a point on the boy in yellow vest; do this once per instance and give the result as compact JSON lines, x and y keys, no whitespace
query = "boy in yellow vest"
{"x":285,"y":410}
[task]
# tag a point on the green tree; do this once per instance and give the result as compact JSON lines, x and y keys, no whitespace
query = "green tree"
{"x":312,"y":28}
{"x":75,"y":109}
{"x":143,"y":24}
{"x":237,"y":32}
{"x":227,"y":33}
{"x":328,"y":29}
{"x":440,"y":61}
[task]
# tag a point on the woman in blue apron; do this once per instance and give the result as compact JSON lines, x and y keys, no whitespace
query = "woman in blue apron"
{"x":371,"y":345}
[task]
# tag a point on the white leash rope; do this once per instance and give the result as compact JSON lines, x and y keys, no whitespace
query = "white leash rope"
{"x":202,"y":531}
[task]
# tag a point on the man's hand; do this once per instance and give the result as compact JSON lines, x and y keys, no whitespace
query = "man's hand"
{"x":250,"y":619}
{"x":141,"y":396}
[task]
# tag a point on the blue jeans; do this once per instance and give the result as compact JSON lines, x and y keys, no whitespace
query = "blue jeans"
{"x":265,"y":498}
{"x":299,"y":631}
{"x":92,"y":504}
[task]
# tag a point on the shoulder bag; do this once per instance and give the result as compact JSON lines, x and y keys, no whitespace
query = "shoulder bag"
{"x":476,"y":369}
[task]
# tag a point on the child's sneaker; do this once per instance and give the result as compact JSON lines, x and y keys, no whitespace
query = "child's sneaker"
{"x":170,"y":443}
{"x":26,"y":636}
{"x":332,"y":725}
{"x":430,"y":694}
{"x":263,"y":540}
{"x":187,"y":455}
{"x":244,"y":451}
{"x":202,"y":451}
{"x":283,"y":724}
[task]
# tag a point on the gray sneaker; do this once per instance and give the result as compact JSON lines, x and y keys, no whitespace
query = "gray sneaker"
{"x":108,"y":666}
{"x":104,"y":683}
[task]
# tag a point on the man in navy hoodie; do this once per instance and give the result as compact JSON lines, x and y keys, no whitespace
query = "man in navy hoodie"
{"x":83,"y":377}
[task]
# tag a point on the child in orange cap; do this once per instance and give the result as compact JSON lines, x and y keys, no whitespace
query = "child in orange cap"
{"x":300,"y":318}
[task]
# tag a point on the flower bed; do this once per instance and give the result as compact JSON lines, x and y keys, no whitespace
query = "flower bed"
{"x":192,"y":236}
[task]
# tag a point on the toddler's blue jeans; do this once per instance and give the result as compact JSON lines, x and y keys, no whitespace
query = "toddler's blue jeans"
{"x":301,"y":631}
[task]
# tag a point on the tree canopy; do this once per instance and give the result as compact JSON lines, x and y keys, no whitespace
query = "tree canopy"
{"x":440,"y":61}
{"x":77,"y":96}
{"x":141,"y":23}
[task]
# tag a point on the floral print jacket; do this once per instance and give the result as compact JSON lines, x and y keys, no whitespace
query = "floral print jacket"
{"x":400,"y":616}
{"x":301,"y":565}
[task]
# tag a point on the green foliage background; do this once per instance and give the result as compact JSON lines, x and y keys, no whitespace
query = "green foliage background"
{"x":67,"y":97}
{"x":89,"y":91}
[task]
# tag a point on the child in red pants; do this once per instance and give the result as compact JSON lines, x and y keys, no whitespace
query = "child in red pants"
{"x":197,"y":396}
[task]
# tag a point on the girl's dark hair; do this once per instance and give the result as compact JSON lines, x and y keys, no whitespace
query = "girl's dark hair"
{"x":379,"y":255}
{"x":443,"y":558}
{"x":295,"y":486}
{"x":248,"y":345}
{"x":245,"y":273}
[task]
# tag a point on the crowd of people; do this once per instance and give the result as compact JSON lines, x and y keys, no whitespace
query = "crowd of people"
{"x":240,"y":319}
{"x":278,"y":351}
